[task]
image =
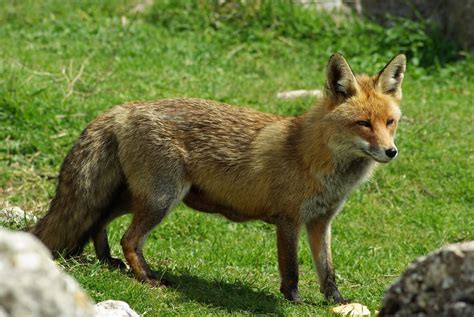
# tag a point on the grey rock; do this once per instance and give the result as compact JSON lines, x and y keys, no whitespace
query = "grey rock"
{"x":327,"y":5}
{"x":439,"y":284}
{"x":114,"y":308}
{"x":293,"y":94}
{"x":15,"y":216}
{"x":32,"y":285}
{"x":3,"y":312}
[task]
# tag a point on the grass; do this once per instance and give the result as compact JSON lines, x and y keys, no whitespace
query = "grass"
{"x":63,"y":63}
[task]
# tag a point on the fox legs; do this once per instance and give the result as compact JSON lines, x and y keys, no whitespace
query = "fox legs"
{"x":319,"y":235}
{"x":117,"y":208}
{"x":102,"y":250}
{"x":156,"y":178}
{"x":287,"y":245}
{"x":145,"y":218}
{"x":150,"y":204}
{"x":149,"y":209}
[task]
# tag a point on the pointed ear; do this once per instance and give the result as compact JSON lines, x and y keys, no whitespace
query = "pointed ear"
{"x":390,"y":78}
{"x":340,"y":82}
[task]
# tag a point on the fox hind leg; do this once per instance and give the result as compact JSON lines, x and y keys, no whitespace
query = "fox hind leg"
{"x":120,"y":206}
{"x":154,"y":167}
{"x":149,"y":209}
{"x":145,"y":218}
{"x":102,"y":250}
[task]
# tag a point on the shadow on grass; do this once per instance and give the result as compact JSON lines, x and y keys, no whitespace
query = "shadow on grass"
{"x":232,"y":297}
{"x":228,"y":296}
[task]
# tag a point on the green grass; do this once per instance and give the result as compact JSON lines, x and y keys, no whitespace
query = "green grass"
{"x":62,"y":64}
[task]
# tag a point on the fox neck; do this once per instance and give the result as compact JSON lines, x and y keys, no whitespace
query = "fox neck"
{"x":317,"y":154}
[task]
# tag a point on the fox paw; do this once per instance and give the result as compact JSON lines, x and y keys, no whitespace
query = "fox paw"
{"x":336,"y":297}
{"x":292,"y":295}
{"x":156,"y":280}
{"x":115,"y":263}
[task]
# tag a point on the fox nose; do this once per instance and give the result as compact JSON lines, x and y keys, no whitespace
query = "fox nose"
{"x":392,"y":152}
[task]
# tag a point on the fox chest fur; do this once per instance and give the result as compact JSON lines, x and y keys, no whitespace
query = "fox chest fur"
{"x":334,"y":189}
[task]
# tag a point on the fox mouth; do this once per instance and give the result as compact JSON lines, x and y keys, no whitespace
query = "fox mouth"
{"x":375,"y":152}
{"x":375,"y":157}
{"x":380,"y":161}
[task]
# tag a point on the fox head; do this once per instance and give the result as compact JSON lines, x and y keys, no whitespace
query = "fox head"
{"x":363,"y":111}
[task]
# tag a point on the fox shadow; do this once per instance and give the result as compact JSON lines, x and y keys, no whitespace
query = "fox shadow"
{"x":232,"y":297}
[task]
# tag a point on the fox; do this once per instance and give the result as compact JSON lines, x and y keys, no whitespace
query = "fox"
{"x":144,"y":158}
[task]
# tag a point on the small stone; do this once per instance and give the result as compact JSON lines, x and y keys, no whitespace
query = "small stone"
{"x":293,"y":94}
{"x":16,"y":216}
{"x":352,"y":310}
{"x":114,"y":308}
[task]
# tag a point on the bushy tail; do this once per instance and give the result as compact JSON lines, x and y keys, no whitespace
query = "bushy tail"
{"x":90,"y":177}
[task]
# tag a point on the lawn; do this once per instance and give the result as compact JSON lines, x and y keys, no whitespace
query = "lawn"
{"x":62,"y":63}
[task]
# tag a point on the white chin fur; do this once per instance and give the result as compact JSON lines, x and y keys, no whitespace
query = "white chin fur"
{"x":380,"y":159}
{"x":377,"y":155}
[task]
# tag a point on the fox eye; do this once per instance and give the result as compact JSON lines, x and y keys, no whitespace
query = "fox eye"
{"x":390,"y":122}
{"x":364,"y":123}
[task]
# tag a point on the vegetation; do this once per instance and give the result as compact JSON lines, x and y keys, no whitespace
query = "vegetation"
{"x":62,"y":63}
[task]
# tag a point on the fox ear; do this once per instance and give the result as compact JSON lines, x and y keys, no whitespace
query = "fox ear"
{"x":340,"y":82}
{"x":390,"y":78}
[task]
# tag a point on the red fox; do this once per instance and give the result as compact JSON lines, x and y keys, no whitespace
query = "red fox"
{"x":146,"y":157}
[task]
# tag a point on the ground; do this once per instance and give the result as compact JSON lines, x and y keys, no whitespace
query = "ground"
{"x":62,"y":64}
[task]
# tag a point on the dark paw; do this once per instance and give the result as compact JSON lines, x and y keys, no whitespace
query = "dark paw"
{"x":336,"y":297}
{"x":291,"y":295}
{"x":332,"y":293}
{"x":158,"y":280}
{"x":114,"y":263}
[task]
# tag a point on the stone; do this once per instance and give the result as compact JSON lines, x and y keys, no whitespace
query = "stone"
{"x":3,"y":312}
{"x":15,"y":216}
{"x":327,"y":5}
{"x":351,"y":310}
{"x":114,"y":308}
{"x":32,"y":285}
{"x":142,"y":6}
{"x":439,"y":284}
{"x":293,"y":94}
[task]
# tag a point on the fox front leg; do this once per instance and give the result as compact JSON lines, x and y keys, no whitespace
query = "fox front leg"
{"x":287,"y":245}
{"x":319,"y":235}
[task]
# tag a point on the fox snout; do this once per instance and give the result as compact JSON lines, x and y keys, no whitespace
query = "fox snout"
{"x":391,"y":152}
{"x":377,"y":152}
{"x":383,"y":154}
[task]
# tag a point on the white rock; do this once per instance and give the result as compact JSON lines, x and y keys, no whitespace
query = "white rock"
{"x":32,"y":285}
{"x":293,"y":94}
{"x":16,"y":216}
{"x":352,"y":310}
{"x":114,"y":308}
{"x":142,"y":6}
{"x":3,"y":312}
